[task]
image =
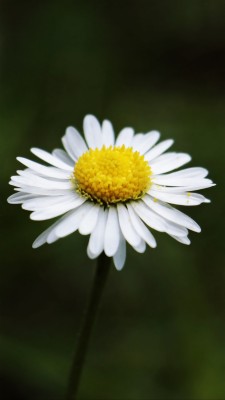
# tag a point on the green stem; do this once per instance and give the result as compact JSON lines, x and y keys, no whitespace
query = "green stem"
{"x":86,"y":328}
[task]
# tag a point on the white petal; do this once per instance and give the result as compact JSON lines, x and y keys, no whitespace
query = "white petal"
{"x":194,"y":185}
{"x":183,"y":240}
{"x":148,"y":216}
{"x":71,"y":221}
{"x":126,"y":226}
{"x":174,"y":229}
{"x":39,"y":202}
{"x":52,"y":237}
{"x":50,"y":159}
{"x":63,"y":156}
{"x":137,"y":139}
{"x":92,"y":132}
{"x":156,"y":221}
{"x":30,"y":173}
{"x":164,"y":158}
{"x":185,"y":199}
{"x":125,"y":137}
{"x":160,"y":166}
{"x":96,"y":241}
{"x":112,"y":233}
{"x":149,"y":140}
{"x":39,"y":191}
{"x":184,"y":177}
{"x":158,"y":149}
{"x":56,"y":210}
{"x":140,"y":228}
{"x":172,"y":214}
{"x":42,"y":238}
{"x":108,"y":136}
{"x":89,"y":221}
{"x":74,"y":143}
{"x":91,"y":255}
{"x":19,"y":198}
{"x":37,"y":181}
{"x":141,"y":247}
{"x":50,"y":172}
{"x":120,"y":256}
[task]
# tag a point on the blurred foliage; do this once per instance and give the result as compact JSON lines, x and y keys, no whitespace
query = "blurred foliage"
{"x":151,"y":65}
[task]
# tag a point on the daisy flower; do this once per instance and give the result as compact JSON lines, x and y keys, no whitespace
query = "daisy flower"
{"x":113,"y":189}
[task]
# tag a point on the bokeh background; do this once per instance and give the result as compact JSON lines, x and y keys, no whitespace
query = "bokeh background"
{"x":150,"y":64}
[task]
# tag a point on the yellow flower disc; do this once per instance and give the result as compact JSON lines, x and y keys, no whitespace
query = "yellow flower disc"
{"x":111,"y":175}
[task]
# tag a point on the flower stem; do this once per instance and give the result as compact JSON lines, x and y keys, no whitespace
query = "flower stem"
{"x":86,"y":328}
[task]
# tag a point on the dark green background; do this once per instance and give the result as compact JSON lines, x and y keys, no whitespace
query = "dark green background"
{"x":147,"y":64}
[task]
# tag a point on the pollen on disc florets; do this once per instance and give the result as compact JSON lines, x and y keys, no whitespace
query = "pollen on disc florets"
{"x":111,"y":175}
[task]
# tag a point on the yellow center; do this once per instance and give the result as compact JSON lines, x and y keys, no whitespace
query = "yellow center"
{"x":111,"y":175}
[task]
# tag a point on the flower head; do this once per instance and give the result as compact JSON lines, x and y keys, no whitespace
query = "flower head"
{"x":111,"y":189}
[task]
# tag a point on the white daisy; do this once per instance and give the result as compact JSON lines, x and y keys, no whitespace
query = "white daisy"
{"x":111,"y":189}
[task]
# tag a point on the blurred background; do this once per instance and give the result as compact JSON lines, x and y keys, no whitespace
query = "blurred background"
{"x":153,"y":64}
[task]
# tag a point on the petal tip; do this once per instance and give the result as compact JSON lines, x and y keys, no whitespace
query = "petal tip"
{"x":36,"y":244}
{"x":118,"y":267}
